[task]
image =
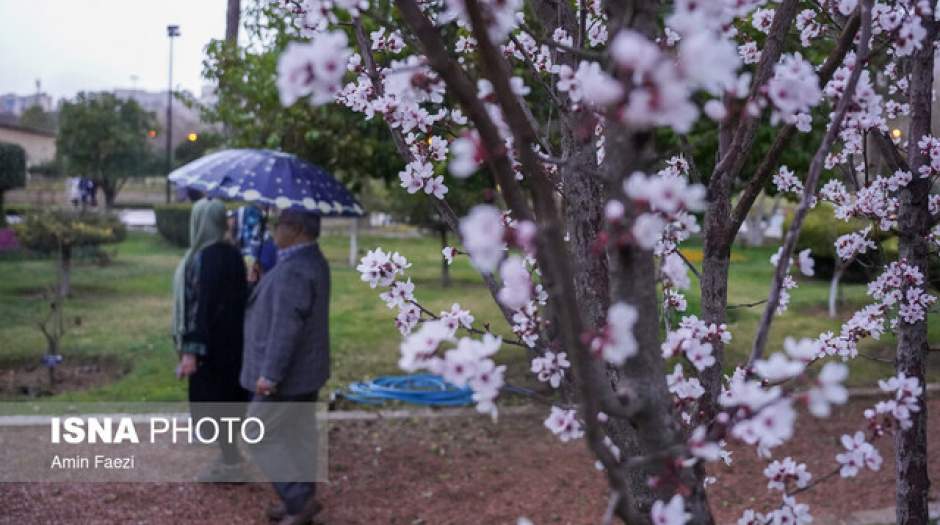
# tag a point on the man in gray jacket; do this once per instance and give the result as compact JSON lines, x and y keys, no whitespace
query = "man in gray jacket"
{"x":287,"y":341}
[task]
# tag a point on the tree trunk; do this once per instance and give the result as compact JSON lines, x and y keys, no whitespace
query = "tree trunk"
{"x":716,"y":260}
{"x":110,"y":195}
{"x":834,"y":288}
{"x":584,"y":198}
{"x":232,"y":18}
{"x":913,"y":483}
{"x":3,"y":212}
{"x":65,"y":271}
{"x":755,"y":224}
{"x":632,"y":280}
{"x":445,"y":268}
{"x":354,"y":242}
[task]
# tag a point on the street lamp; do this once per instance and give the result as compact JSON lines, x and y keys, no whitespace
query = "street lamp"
{"x":171,"y":32}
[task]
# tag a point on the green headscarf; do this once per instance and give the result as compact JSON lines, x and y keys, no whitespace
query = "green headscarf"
{"x":207,"y":225}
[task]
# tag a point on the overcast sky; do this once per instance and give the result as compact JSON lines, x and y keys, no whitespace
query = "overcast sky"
{"x":93,"y":45}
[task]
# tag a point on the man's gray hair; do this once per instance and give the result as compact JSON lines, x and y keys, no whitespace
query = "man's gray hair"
{"x":308,"y":222}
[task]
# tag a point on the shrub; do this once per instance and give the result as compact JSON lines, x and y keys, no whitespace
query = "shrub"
{"x":173,"y":222}
{"x":821,"y":229}
{"x":49,"y":230}
{"x":61,"y":231}
{"x":12,"y":171}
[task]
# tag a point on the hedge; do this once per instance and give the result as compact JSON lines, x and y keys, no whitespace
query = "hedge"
{"x":173,"y":222}
{"x":819,"y":233}
{"x":12,"y":166}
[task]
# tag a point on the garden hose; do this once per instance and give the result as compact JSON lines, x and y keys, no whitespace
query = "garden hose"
{"x":417,"y":389}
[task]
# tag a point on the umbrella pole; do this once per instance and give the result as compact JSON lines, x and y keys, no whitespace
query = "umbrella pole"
{"x":353,"y":242}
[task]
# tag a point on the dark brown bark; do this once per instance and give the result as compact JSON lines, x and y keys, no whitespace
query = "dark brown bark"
{"x":584,"y":197}
{"x":583,"y":192}
{"x":913,"y":483}
{"x":557,"y":272}
{"x":110,"y":190}
{"x":717,"y":233}
{"x":653,"y":428}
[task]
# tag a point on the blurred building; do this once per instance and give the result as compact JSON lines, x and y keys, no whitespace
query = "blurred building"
{"x":39,"y":144}
{"x":13,"y":104}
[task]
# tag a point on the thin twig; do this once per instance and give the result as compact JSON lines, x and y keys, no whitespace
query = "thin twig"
{"x":876,"y":359}
{"x":690,"y":265}
{"x":813,"y":483}
{"x":746,"y":305}
{"x":470,"y":329}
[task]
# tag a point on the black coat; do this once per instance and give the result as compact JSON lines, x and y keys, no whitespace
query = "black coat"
{"x":216,"y":290}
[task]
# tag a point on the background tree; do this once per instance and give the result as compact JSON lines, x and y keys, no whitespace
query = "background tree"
{"x":37,"y":118}
{"x":232,"y":20}
{"x":418,"y":210}
{"x":190,"y":150}
{"x":59,"y":232}
{"x":249,"y":107}
{"x":104,"y":138}
{"x":12,"y":172}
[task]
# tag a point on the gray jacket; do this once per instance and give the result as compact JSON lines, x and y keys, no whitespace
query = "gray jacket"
{"x":287,"y":331}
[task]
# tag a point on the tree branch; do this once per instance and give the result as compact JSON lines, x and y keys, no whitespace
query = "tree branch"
{"x":772,"y":157}
{"x":812,"y":179}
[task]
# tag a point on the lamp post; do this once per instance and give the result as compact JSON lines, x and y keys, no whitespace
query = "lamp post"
{"x":171,"y":32}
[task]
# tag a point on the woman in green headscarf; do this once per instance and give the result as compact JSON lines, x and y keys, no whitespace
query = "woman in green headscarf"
{"x":209,"y":294}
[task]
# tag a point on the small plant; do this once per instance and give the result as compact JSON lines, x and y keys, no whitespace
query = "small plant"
{"x":54,"y":328}
{"x":59,"y":231}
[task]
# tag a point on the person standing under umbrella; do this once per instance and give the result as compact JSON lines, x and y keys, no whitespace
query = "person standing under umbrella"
{"x":287,"y":338}
{"x":209,"y":294}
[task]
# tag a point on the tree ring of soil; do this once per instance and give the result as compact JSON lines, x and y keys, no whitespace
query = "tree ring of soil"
{"x":29,"y":378}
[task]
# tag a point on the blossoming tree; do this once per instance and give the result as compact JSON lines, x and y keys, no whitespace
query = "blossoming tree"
{"x":559,"y":103}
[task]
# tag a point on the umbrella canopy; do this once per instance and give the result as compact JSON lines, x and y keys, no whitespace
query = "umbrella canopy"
{"x":269,"y":178}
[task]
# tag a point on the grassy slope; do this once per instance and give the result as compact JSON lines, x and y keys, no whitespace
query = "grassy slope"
{"x":126,"y":306}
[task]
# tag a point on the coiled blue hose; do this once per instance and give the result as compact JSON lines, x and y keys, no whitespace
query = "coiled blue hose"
{"x":417,"y":389}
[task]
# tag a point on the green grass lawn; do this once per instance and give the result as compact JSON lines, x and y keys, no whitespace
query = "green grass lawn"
{"x":125,"y":310}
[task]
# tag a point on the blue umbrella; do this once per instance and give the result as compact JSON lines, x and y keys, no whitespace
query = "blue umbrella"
{"x":269,"y":178}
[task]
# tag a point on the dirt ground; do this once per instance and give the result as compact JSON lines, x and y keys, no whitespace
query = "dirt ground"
{"x":31,"y":379}
{"x":463,"y":470}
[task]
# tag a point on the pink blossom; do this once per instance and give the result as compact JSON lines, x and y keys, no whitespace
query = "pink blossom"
{"x":616,"y":343}
{"x":315,"y":68}
{"x":517,"y":283}
{"x":482,"y":232}
{"x":672,"y":513}
{"x":564,"y":424}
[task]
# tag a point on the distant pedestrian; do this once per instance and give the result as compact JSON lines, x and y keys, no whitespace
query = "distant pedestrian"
{"x":89,"y":192}
{"x":74,"y":186}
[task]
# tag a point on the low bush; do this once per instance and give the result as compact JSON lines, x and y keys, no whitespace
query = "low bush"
{"x":173,"y":222}
{"x":821,"y":229}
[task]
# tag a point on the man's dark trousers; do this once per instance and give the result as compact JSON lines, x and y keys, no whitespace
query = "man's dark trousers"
{"x":294,"y":494}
